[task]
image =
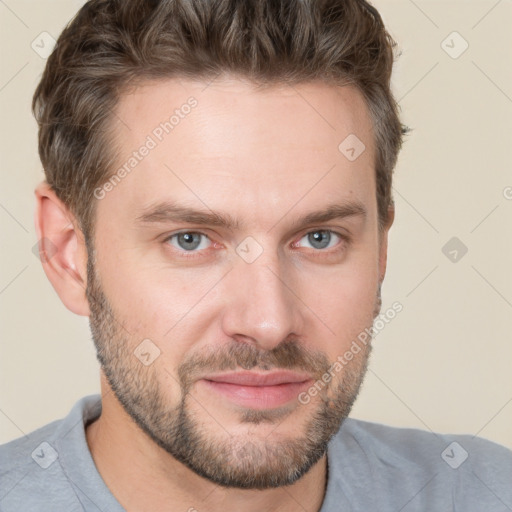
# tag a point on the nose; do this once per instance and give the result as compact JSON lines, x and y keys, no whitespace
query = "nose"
{"x":263,"y":307}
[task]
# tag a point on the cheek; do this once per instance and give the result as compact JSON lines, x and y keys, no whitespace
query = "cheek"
{"x":345,"y":305}
{"x":149,"y":292}
{"x":174,"y":309}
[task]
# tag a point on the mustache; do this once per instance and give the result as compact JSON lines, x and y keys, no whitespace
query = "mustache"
{"x":289,"y":355}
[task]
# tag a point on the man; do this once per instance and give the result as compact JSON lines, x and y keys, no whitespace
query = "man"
{"x":217,"y":201}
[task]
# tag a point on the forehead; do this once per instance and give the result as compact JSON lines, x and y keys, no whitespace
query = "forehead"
{"x":231,"y":146}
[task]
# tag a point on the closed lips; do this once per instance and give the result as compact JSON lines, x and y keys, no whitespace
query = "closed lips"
{"x":260,"y":379}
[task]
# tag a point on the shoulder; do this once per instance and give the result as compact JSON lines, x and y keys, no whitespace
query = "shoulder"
{"x":414,"y":467}
{"x":39,"y":446}
{"x":19,"y":454}
{"x":421,"y":446}
{"x":30,"y":468}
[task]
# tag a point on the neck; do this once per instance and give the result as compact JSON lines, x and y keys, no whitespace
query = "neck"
{"x":142,"y":475}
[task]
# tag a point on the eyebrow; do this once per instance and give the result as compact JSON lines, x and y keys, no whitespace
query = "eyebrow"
{"x":166,"y":211}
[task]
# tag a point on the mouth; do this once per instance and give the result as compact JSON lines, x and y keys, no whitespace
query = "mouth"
{"x":254,"y":390}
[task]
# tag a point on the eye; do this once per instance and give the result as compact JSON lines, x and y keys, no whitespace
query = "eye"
{"x":189,"y":241}
{"x":321,"y":239}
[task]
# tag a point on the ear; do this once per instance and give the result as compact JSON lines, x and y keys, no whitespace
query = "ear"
{"x":383,"y":244}
{"x":62,"y":249}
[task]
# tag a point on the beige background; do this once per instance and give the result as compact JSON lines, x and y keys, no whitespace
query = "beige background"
{"x":444,"y":363}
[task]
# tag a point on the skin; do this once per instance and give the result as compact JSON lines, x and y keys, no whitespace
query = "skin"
{"x":265,"y":157}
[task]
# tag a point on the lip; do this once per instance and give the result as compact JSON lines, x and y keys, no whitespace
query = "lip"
{"x":259,"y":390}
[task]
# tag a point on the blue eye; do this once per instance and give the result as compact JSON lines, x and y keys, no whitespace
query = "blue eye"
{"x":189,"y":241}
{"x":321,"y":239}
{"x":192,"y":243}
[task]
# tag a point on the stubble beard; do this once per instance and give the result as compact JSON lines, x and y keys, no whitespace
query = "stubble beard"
{"x":227,"y":460}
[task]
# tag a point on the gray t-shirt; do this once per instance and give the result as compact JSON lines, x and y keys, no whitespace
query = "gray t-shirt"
{"x":372,"y":467}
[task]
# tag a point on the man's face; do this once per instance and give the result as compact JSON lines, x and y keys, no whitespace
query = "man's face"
{"x":210,"y":324}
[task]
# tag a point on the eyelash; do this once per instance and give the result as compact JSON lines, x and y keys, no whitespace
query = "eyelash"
{"x":344,"y":240}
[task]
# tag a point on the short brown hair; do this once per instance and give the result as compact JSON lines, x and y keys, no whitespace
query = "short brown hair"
{"x":111,"y":44}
